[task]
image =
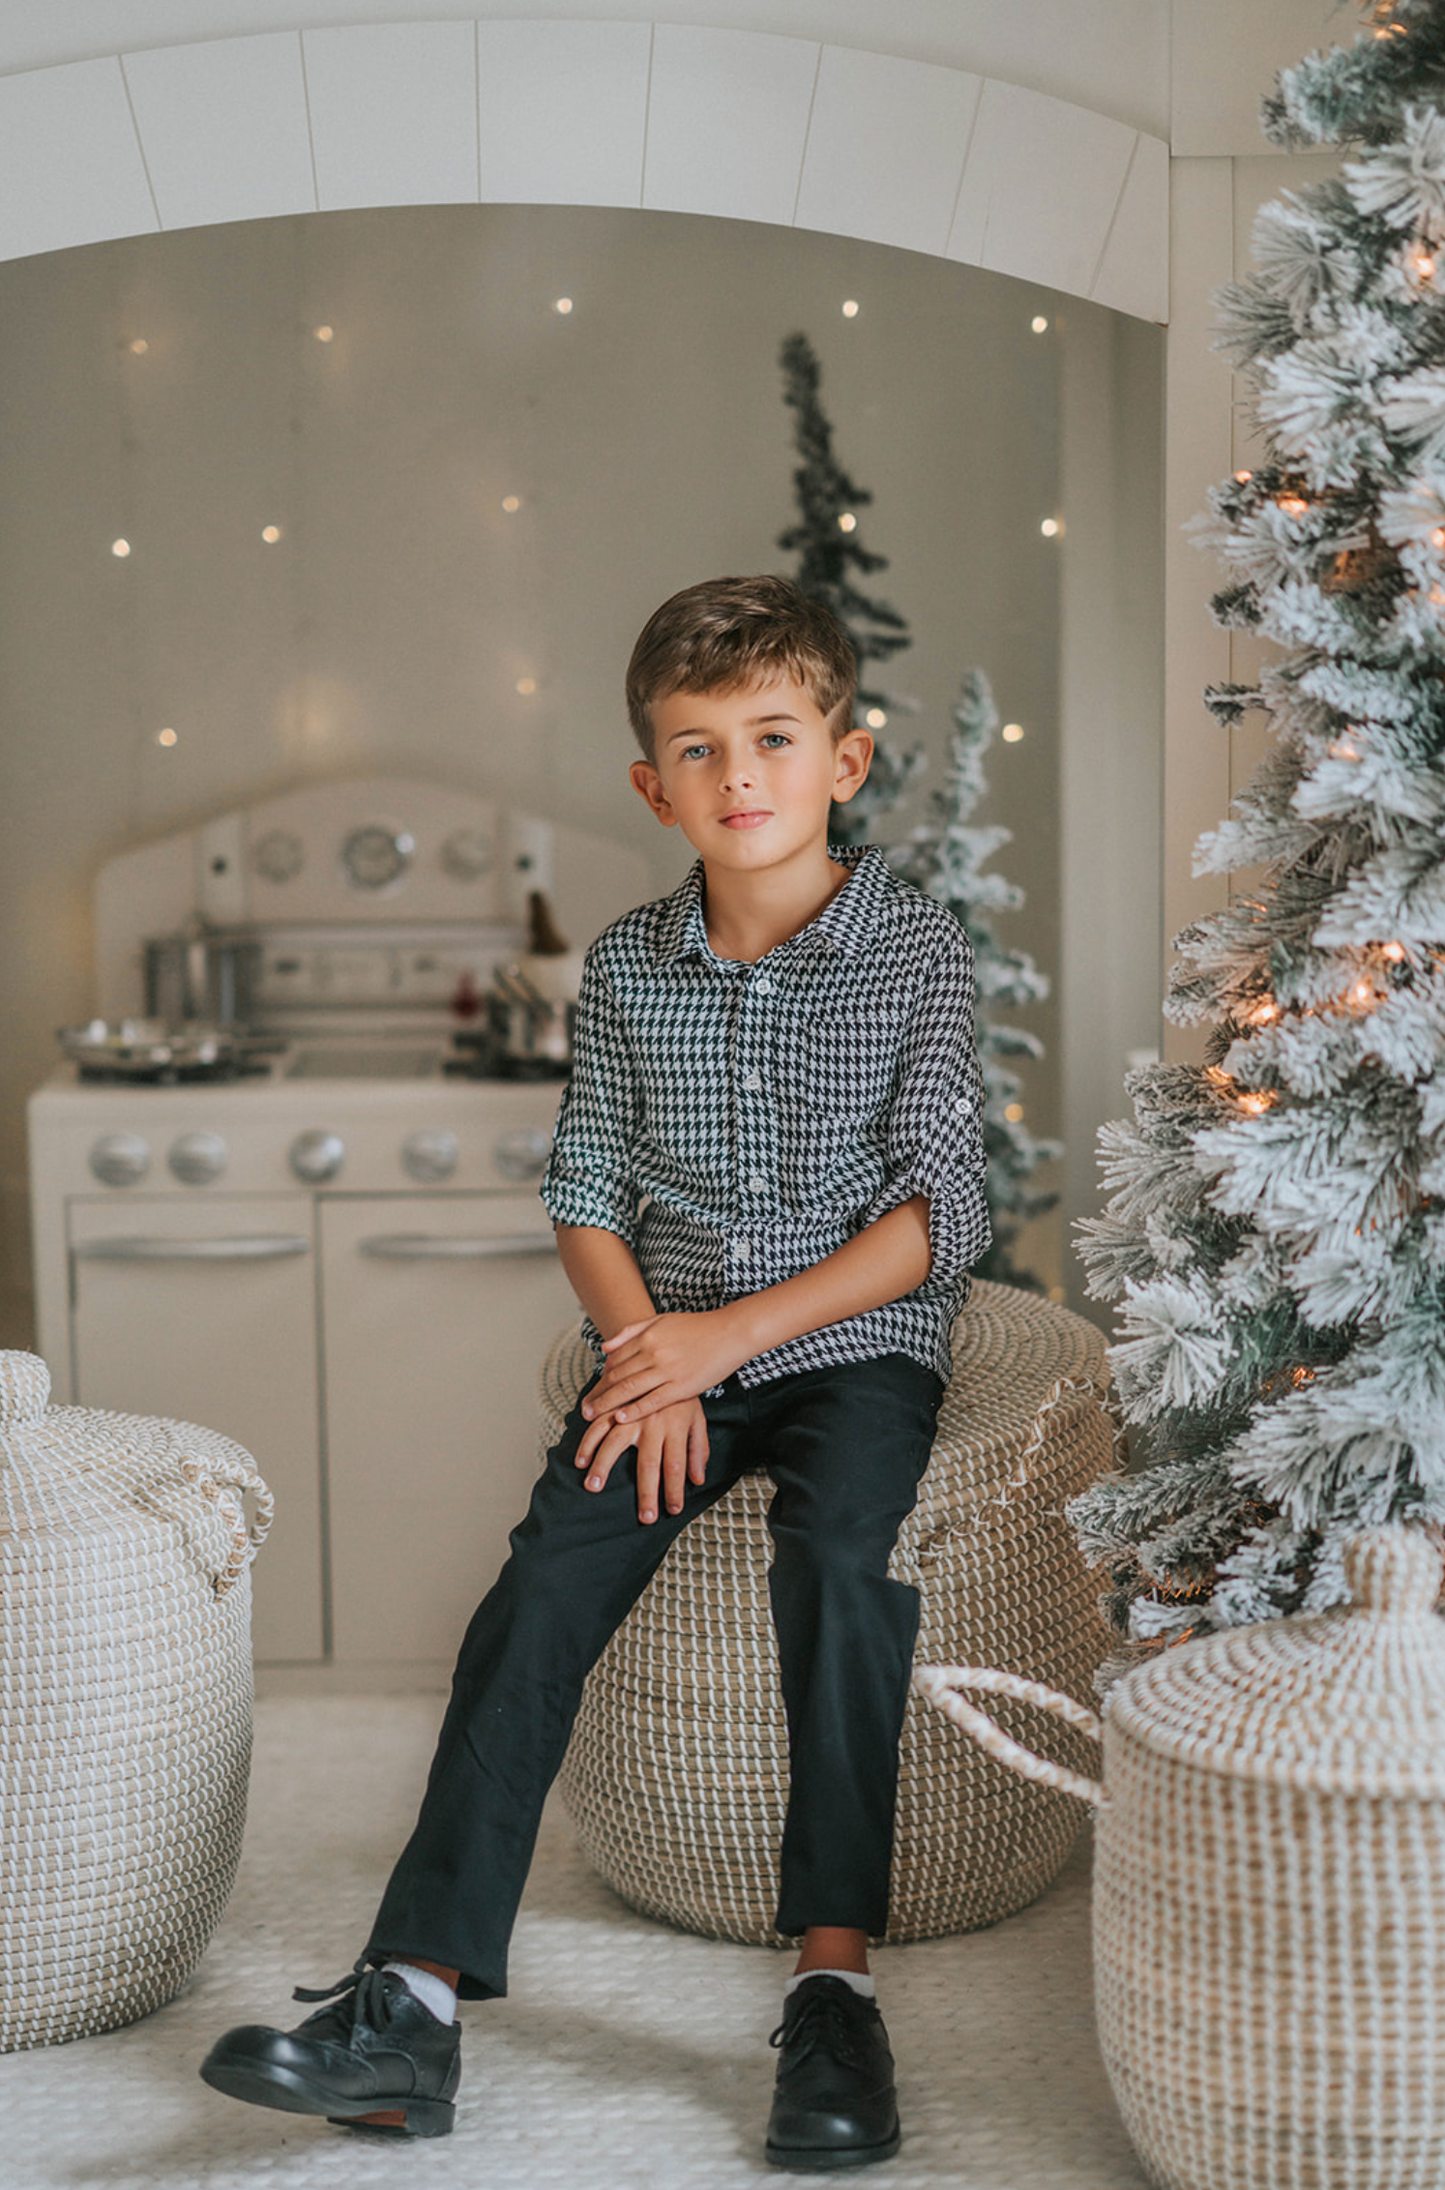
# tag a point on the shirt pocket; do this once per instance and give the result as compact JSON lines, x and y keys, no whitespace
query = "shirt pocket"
{"x":840,"y":1082}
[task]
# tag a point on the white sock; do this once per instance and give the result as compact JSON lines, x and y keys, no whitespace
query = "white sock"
{"x":424,"y":1984}
{"x":863,"y":1986}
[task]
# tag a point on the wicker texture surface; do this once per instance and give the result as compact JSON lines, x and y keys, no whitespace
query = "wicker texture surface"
{"x":677,"y":1773}
{"x":125,"y":1704}
{"x":1269,"y":1891}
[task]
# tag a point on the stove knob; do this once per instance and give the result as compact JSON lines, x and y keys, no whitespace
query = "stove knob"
{"x":523,"y":1154}
{"x":197,"y":1158}
{"x":317,"y":1157}
{"x":120,"y":1159}
{"x":429,"y":1157}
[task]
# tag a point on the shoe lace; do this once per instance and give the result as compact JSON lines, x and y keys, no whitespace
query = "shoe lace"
{"x":368,"y":2003}
{"x":825,"y":2021}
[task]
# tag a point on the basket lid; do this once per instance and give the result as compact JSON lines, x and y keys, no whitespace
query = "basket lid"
{"x":82,"y":1467}
{"x":1350,"y":1701}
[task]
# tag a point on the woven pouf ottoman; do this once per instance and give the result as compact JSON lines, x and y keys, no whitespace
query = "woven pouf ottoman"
{"x":677,"y":1773}
{"x":125,"y":1704}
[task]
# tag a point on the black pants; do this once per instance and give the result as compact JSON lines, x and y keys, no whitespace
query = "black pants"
{"x":846,"y":1448}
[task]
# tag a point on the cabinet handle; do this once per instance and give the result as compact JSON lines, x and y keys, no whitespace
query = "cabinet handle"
{"x":237,"y":1247}
{"x":435,"y":1247}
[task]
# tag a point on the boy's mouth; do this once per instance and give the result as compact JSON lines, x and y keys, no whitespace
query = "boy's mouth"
{"x":746,"y":818}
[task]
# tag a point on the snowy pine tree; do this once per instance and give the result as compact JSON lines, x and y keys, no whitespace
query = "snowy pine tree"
{"x":945,"y":856}
{"x":826,"y":541}
{"x":1276,"y":1233}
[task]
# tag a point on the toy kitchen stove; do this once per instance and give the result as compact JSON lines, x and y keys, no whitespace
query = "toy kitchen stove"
{"x":319,"y":1232}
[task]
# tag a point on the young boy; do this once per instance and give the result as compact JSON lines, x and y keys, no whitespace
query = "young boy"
{"x":767,"y":1182}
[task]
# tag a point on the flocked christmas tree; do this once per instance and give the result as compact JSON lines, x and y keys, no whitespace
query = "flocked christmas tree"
{"x":1276,"y":1234}
{"x":830,"y":553}
{"x":946,"y":856}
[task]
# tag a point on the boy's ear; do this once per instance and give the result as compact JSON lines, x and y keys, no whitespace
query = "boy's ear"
{"x":852,"y":758}
{"x":648,"y":784}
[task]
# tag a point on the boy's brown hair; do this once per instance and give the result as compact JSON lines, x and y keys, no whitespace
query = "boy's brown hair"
{"x":730,"y":633}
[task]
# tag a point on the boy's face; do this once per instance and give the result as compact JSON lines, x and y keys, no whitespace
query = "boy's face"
{"x":748,"y":776}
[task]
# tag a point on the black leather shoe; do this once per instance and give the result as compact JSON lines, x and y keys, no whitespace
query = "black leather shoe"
{"x":375,"y":2051}
{"x":835,"y":2104}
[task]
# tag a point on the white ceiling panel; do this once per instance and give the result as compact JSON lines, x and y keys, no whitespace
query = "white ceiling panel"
{"x":70,"y":167}
{"x":1040,"y":188}
{"x":886,"y":148}
{"x":223,"y":128}
{"x":1133,"y":273}
{"x":393,"y":113}
{"x":727,"y":122}
{"x":563,"y":110}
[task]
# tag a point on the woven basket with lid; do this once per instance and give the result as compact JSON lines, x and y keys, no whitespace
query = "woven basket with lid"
{"x":125,"y":1704}
{"x":1269,"y":1895}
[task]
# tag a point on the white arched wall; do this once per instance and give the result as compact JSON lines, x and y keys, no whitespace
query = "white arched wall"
{"x":669,"y":116}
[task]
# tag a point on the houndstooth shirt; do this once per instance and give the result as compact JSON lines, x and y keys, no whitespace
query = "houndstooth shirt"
{"x":734,"y":1123}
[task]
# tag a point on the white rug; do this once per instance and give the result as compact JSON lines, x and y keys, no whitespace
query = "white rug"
{"x":627,"y":2056}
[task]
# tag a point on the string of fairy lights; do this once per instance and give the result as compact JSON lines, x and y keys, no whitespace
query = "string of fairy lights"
{"x":527,"y":684}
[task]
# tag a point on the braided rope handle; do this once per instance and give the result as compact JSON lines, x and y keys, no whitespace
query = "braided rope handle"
{"x":210,"y":1478}
{"x":939,"y":1685}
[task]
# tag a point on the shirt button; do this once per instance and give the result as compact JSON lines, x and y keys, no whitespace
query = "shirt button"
{"x":763,"y":986}
{"x":741,"y":1249}
{"x":753,"y":1082}
{"x":755,"y":1184}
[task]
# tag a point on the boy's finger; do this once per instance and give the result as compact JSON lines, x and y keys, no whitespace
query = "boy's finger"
{"x":608,"y":1454}
{"x":697,"y":1449}
{"x":674,"y":1470}
{"x":648,"y":1471}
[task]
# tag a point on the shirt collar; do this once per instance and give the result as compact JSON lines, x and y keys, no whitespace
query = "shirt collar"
{"x":846,"y":923}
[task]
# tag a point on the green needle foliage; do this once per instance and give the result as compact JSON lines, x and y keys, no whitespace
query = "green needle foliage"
{"x":1276,"y":1228}
{"x":829,"y":551}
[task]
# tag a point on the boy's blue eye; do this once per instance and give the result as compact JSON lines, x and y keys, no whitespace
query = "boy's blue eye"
{"x":779,"y":735}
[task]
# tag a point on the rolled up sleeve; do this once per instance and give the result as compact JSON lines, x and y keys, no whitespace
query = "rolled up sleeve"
{"x":935,"y":1126}
{"x":589,"y":1175}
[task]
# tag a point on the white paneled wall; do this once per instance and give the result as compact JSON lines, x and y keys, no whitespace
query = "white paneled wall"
{"x":563,"y":112}
{"x":887,"y":148}
{"x":393,"y":113}
{"x":223,"y":128}
{"x":727,"y":122}
{"x":741,"y":124}
{"x":70,"y":167}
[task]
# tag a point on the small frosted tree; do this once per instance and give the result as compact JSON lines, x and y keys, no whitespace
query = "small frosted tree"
{"x":830,"y":551}
{"x":946,"y":856}
{"x":1276,"y":1233}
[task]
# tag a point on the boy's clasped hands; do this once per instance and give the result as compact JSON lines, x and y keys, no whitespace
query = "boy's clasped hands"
{"x":647,"y":1396}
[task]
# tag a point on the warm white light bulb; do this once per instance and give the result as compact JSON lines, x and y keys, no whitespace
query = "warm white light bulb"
{"x":526,"y":686}
{"x":120,"y":548}
{"x":139,"y":347}
{"x":563,"y":305}
{"x":1051,"y":528}
{"x":850,"y":308}
{"x":165,"y":737}
{"x":875,"y":718}
{"x":1012,"y":732}
{"x":323,"y":334}
{"x":1244,"y":477}
{"x":1014,"y":1112}
{"x":847,"y":522}
{"x":1039,"y":324}
{"x":270,"y":534}
{"x":511,"y":503}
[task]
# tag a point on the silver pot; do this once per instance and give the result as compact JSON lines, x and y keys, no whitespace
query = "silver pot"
{"x":206,"y":976}
{"x":533,"y":1030}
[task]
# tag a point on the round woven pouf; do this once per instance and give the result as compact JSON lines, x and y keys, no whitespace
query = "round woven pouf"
{"x":677,"y":1773}
{"x":125,"y":1704}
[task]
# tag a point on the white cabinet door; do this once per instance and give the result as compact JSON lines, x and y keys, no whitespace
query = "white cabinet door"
{"x":438,"y":1313}
{"x":206,"y":1311}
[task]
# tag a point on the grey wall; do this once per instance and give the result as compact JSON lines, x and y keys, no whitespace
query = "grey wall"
{"x":390,"y":624}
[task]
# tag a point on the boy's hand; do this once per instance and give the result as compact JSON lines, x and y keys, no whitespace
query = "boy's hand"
{"x":672,"y":1449}
{"x":656,"y":1362}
